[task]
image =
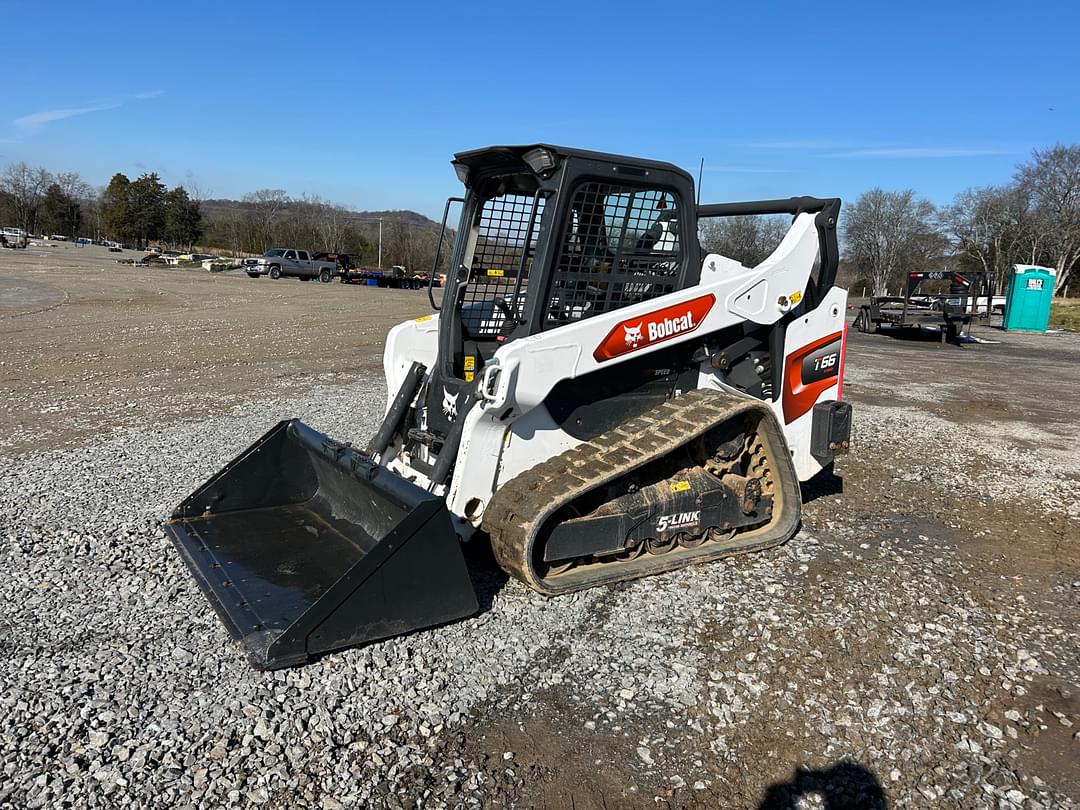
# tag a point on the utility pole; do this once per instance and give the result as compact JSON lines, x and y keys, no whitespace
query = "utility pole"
{"x":380,"y":221}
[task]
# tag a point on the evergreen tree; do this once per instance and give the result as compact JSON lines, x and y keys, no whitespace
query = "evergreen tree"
{"x":116,"y":209}
{"x":183,"y":219}
{"x":146,"y":198}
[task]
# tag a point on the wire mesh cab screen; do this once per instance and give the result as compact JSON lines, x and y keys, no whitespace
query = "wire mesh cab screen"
{"x":495,"y":296}
{"x":621,"y":246}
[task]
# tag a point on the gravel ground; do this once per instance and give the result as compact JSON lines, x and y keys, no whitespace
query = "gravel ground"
{"x":121,"y":687}
{"x":915,"y":646}
{"x":89,"y":345}
{"x":867,"y":651}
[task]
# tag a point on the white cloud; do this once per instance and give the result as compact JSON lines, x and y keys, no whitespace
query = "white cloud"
{"x":921,"y":152}
{"x":841,"y":149}
{"x":745,"y":170}
{"x":33,"y":121}
{"x":801,"y":144}
{"x":27,"y":124}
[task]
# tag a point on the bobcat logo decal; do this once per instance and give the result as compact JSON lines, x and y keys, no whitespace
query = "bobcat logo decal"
{"x":449,"y":404}
{"x":645,"y":330}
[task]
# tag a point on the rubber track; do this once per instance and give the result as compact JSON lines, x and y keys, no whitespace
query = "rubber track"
{"x":519,"y":508}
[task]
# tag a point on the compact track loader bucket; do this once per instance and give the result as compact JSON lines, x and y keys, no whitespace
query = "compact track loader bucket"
{"x":304,"y":545}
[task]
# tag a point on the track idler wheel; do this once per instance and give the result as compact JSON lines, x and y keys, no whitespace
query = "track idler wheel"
{"x":687,"y":540}
{"x":721,"y":535}
{"x":657,"y":546}
{"x":747,"y":490}
{"x":560,"y":567}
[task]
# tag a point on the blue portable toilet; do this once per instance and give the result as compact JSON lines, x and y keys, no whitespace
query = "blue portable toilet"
{"x":1027,"y":300}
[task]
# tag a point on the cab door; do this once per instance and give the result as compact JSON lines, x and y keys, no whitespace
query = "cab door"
{"x":303,"y":261}
{"x":288,"y":263}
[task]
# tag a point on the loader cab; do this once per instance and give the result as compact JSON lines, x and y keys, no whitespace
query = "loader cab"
{"x":549,"y":236}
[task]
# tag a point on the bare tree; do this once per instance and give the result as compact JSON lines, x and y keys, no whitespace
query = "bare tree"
{"x":413,"y":247}
{"x":26,"y":186}
{"x":1052,"y":182}
{"x":72,"y":184}
{"x":198,"y":192}
{"x":333,"y":226}
{"x":886,"y":232}
{"x":229,"y":228}
{"x":266,"y":204}
{"x":747,"y":239}
{"x":92,"y":211}
{"x":397,"y":243}
{"x":298,"y":224}
{"x":987,"y":225}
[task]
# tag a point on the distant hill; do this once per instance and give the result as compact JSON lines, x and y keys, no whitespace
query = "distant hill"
{"x":219,"y":208}
{"x":242,"y":228}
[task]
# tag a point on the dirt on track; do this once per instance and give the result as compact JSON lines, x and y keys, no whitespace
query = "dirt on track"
{"x":89,"y":344}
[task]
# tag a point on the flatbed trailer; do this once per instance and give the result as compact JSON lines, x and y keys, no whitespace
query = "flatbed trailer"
{"x":395,"y":278}
{"x":949,"y":312}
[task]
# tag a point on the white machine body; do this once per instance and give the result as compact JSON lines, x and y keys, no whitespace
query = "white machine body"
{"x":509,"y":430}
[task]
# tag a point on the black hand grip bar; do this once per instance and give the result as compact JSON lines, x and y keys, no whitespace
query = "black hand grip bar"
{"x":828,"y":214}
{"x":792,"y":205}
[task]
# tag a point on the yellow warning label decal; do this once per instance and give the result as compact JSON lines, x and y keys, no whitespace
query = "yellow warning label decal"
{"x":680,"y":486}
{"x":421,"y":320}
{"x":795,"y":297}
{"x":495,"y":272}
{"x":469,"y":376}
{"x":470,"y":362}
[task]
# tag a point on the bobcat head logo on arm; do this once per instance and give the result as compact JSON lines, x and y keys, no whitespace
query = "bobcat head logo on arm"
{"x":633,"y":335}
{"x":449,"y":404}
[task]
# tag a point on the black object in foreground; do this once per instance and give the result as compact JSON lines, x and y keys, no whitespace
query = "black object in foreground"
{"x":303,"y":545}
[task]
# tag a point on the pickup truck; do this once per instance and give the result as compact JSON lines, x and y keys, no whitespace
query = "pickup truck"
{"x":13,"y":238}
{"x":280,"y":262}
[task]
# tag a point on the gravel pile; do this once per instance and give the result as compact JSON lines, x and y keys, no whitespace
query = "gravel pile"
{"x":122,"y":689}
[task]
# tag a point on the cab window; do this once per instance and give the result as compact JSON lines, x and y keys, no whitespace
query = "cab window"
{"x":620,"y":245}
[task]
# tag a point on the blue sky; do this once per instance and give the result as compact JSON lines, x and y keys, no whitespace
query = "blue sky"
{"x":365,"y":103}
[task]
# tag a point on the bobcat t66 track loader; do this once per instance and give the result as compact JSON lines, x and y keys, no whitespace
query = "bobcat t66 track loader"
{"x":594,"y":395}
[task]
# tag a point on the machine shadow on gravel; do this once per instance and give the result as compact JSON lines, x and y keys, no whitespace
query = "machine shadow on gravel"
{"x":844,"y":786}
{"x":921,"y":336}
{"x":824,"y":483}
{"x":484,"y":571}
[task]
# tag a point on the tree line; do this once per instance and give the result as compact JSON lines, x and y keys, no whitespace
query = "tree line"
{"x":36,"y":200}
{"x":144,"y":211}
{"x":271,"y":218}
{"x":132,"y":211}
{"x":1034,"y":219}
